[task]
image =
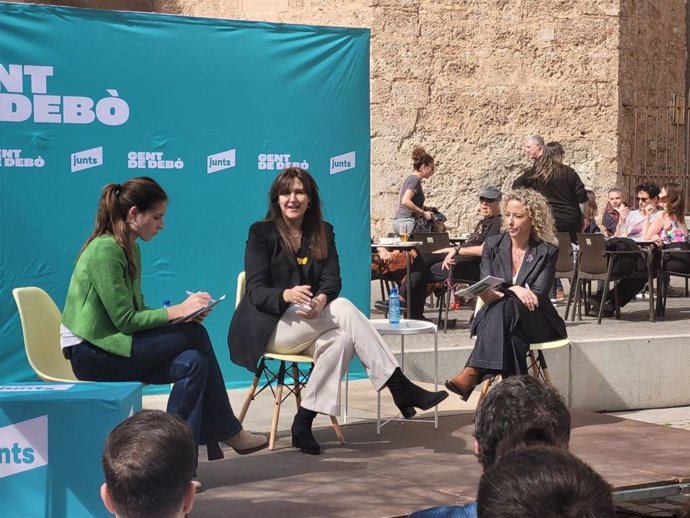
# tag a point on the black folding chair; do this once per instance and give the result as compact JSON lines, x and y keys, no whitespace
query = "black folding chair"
{"x":661,"y":286}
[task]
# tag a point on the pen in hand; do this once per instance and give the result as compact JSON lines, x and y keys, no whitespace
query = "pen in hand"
{"x":210,"y":300}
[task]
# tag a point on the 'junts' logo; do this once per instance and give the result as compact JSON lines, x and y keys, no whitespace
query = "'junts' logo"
{"x":342,"y":163}
{"x":220,"y":161}
{"x":23,"y":446}
{"x":86,"y":159}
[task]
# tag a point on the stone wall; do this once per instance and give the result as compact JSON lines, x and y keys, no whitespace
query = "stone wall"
{"x":470,"y":79}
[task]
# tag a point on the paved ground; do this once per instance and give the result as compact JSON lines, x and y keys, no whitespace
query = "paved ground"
{"x":362,"y":403}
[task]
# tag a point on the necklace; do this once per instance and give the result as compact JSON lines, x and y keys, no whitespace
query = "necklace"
{"x":518,"y":255}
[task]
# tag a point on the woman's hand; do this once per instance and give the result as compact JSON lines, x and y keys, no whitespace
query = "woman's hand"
{"x":490,"y":295}
{"x":300,"y":295}
{"x":526,"y":296}
{"x":427,"y":215}
{"x":191,"y":304}
{"x":317,"y":305}
{"x":448,"y":261}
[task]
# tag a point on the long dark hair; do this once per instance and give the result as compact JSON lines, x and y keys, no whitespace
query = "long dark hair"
{"x":675,"y":203}
{"x":312,"y":226}
{"x":546,"y":167}
{"x":144,"y":193}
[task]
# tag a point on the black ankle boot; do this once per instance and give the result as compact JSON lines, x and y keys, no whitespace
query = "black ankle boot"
{"x":302,"y":437}
{"x":407,"y":395}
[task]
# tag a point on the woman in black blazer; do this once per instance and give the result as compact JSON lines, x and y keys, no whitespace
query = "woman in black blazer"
{"x":291,"y":306}
{"x":519,"y":311}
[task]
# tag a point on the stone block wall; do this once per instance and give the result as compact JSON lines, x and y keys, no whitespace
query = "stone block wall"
{"x":470,"y":79}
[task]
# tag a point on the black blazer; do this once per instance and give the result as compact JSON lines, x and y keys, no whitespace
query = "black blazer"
{"x":270,"y":270}
{"x":538,"y":273}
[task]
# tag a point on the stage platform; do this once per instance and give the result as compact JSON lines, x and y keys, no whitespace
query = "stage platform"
{"x":412,"y":466}
{"x":619,"y":365}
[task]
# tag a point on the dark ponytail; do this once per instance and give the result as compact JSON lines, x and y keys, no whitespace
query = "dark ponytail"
{"x":144,"y":193}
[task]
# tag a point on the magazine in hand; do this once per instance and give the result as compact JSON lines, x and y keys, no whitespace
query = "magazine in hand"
{"x":194,"y":314}
{"x":486,"y":283}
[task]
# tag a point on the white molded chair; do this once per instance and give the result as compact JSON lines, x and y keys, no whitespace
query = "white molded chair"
{"x":300,"y":378}
{"x":41,"y":328}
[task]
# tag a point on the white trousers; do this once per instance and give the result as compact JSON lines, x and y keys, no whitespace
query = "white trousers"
{"x":339,"y":332}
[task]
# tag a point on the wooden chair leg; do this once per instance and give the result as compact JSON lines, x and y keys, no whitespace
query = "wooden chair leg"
{"x":249,"y":398}
{"x":252,"y":389}
{"x":486,"y":385}
{"x":276,"y":408}
{"x":338,"y":430}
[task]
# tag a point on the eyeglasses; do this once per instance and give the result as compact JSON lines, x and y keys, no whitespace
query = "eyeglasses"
{"x":485,"y":200}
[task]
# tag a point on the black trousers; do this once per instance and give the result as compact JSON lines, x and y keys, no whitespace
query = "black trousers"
{"x":505,"y":329}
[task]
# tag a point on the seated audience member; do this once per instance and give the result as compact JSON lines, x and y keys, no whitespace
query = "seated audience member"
{"x":668,"y":229}
{"x":631,"y":222}
{"x":465,"y":258}
{"x":612,"y":211}
{"x":518,"y":311}
{"x":149,"y":461}
{"x":517,"y":403}
{"x":543,"y":482}
{"x":589,"y":225}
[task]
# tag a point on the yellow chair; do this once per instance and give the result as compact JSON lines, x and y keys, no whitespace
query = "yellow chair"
{"x":41,"y":328}
{"x":536,"y":364}
{"x":300,"y":378}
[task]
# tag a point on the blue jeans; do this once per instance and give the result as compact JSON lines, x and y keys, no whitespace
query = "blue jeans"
{"x":180,"y":354}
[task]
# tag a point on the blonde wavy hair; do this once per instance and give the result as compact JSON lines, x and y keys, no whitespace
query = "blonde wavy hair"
{"x":538,"y":211}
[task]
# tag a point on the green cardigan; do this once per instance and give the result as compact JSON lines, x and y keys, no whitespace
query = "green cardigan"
{"x":104,"y":304}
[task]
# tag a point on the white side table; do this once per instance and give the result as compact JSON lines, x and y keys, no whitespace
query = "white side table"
{"x":404,"y":328}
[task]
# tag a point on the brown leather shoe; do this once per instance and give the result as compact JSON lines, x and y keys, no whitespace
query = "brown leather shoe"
{"x":463,"y":382}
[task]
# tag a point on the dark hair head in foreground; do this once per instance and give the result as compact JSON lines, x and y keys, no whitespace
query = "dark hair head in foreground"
{"x":519,"y":402}
{"x":149,"y":461}
{"x":543,"y":482}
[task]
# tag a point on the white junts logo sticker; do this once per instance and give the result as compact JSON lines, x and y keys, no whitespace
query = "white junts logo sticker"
{"x":23,"y":446}
{"x":220,"y":161}
{"x":86,"y":159}
{"x":342,"y":163}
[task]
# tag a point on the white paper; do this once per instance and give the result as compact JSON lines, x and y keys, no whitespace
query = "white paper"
{"x":486,"y":283}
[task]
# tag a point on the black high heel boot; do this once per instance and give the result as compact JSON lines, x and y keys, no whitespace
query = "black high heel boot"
{"x":407,"y":395}
{"x":302,"y":437}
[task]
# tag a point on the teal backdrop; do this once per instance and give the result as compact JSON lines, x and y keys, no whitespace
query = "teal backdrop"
{"x":212,"y":109}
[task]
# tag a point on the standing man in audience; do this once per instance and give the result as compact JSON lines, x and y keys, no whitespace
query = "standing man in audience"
{"x":534,"y":146}
{"x":149,"y":461}
{"x":517,"y":403}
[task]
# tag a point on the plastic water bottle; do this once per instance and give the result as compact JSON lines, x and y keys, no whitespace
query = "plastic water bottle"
{"x":394,"y":307}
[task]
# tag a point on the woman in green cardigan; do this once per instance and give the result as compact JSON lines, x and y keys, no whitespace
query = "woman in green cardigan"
{"x":108,"y":334}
